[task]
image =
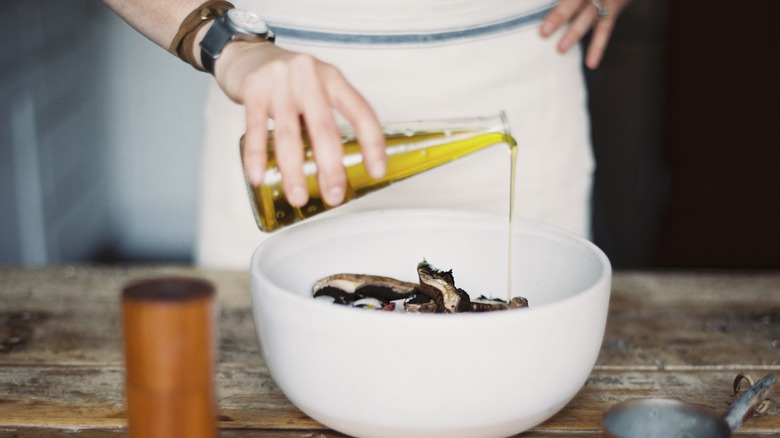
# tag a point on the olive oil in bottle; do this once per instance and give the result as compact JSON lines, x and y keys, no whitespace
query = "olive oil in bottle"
{"x":412,"y":148}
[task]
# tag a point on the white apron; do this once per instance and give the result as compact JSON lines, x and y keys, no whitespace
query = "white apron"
{"x":425,"y":59}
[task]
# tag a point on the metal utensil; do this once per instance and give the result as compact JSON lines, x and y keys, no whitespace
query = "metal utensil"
{"x":650,"y":418}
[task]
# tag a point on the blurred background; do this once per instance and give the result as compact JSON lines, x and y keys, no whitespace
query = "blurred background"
{"x":100,"y":138}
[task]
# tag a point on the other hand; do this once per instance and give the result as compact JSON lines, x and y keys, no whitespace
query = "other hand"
{"x":582,"y":15}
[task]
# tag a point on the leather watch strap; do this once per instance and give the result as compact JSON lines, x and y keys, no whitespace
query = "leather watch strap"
{"x":218,"y":36}
{"x":182,"y":44}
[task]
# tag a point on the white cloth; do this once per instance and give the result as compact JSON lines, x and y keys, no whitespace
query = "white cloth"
{"x":426,"y":59}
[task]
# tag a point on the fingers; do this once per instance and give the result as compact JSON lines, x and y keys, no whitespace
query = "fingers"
{"x":295,"y":89}
{"x":318,"y":88}
{"x":298,"y":97}
{"x":598,"y":43}
{"x":316,"y":111}
{"x":254,"y":156}
{"x":288,"y":148}
{"x":367,"y":129}
{"x":578,"y":26}
{"x":560,"y":16}
{"x":581,"y":16}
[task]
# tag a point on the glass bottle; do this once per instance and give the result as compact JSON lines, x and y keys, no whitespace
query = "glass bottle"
{"x":412,"y":147}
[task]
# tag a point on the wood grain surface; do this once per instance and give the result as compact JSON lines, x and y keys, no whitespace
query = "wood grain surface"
{"x":679,"y":335}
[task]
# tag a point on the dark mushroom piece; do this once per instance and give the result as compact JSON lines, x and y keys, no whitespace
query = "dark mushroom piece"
{"x":349,"y":288}
{"x":485,"y":304}
{"x":517,"y":303}
{"x":419,"y":303}
{"x":436,"y":293}
{"x":440,"y":287}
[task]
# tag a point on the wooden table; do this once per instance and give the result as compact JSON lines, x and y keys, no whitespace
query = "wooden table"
{"x":682,"y":335}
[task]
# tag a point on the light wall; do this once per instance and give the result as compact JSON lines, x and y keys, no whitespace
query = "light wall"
{"x":99,"y":139}
{"x":155,"y":126}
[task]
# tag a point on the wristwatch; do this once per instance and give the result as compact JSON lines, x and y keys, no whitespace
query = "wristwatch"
{"x":235,"y":24}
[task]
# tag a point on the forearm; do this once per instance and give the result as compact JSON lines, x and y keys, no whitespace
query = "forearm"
{"x":156,"y":20}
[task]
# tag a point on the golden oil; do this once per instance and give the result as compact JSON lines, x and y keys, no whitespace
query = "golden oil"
{"x":513,"y":171}
{"x":411,"y":148}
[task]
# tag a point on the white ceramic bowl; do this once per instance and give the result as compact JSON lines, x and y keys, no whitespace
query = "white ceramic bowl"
{"x":383,"y":374}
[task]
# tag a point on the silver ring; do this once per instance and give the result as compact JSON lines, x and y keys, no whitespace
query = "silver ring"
{"x":600,"y":8}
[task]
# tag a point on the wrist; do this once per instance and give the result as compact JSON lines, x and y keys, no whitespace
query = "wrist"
{"x":191,"y":30}
{"x":231,"y":26}
{"x":238,"y":59}
{"x":193,"y":49}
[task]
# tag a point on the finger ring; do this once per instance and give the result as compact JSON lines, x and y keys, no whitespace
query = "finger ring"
{"x":600,"y":8}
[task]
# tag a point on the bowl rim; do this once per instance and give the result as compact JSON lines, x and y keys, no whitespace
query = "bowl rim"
{"x":603,"y":277}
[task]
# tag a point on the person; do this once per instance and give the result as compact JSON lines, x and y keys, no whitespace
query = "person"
{"x":362,"y":63}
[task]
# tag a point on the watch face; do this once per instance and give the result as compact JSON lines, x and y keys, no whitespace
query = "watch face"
{"x":248,"y":21}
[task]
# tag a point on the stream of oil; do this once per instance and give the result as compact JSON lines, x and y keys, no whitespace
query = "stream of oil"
{"x":513,"y":170}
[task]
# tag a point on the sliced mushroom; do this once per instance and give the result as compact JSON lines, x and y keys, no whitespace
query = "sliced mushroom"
{"x":440,"y":286}
{"x":419,"y":303}
{"x":436,"y":293}
{"x":348,"y":288}
{"x":517,"y":303}
{"x":485,"y":304}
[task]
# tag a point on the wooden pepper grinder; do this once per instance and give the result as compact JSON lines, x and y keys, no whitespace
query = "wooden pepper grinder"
{"x":170,"y":359}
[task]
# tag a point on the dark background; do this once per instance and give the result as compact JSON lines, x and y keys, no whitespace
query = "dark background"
{"x":686,"y":131}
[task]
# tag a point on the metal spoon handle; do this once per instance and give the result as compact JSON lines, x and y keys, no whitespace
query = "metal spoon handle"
{"x":746,"y":404}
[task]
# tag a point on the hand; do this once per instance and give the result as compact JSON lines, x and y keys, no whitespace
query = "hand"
{"x":581,"y":16}
{"x":294,"y":88}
